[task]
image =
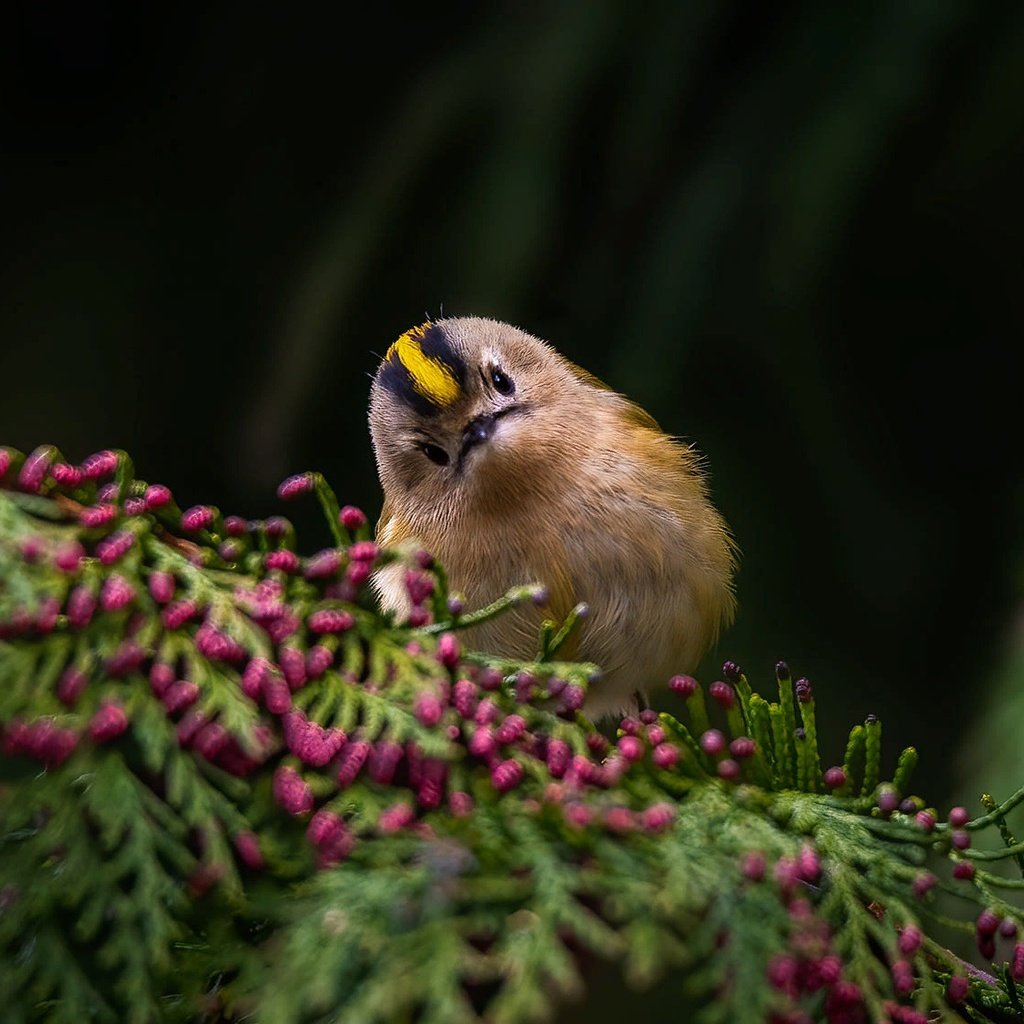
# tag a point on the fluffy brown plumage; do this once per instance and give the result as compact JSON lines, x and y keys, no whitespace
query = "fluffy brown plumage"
{"x":511,"y":465}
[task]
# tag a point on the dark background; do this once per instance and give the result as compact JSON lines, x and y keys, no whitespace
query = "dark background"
{"x":791,"y":231}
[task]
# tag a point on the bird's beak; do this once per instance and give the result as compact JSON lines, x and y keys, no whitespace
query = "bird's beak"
{"x":477,"y":431}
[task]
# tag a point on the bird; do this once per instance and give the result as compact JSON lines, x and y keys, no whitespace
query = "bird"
{"x":511,"y":465}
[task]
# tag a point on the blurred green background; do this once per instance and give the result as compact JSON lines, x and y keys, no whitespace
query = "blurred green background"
{"x":791,"y":231}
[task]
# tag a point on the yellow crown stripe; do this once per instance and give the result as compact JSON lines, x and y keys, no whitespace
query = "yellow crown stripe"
{"x":430,"y":377}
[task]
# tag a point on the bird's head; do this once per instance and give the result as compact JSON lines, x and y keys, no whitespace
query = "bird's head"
{"x":469,"y":410}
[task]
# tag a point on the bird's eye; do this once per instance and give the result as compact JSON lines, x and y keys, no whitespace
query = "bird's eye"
{"x":502,"y":384}
{"x":435,"y":454}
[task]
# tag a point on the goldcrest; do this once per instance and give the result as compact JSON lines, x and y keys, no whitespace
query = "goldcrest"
{"x":511,"y":465}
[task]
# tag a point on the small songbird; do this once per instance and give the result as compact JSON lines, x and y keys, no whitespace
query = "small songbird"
{"x":511,"y":465}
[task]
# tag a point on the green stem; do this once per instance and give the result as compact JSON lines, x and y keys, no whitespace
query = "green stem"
{"x":517,"y":595}
{"x":329,"y":503}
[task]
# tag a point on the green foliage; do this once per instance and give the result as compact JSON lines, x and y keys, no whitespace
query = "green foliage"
{"x":233,"y":788}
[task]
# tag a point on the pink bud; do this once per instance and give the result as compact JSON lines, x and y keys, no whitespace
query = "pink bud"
{"x":383,"y":761}
{"x":957,"y":990}
{"x":296,"y":486}
{"x":98,"y":515}
{"x":559,"y":757}
{"x":248,"y":846}
{"x":464,"y":697}
{"x":198,"y":517}
{"x":117,"y":593}
{"x":72,"y":682}
{"x":577,"y":815}
{"x":161,"y":677}
{"x":728,"y":769}
{"x":656,"y":734}
{"x":291,"y":791}
{"x":235,"y":526}
{"x":926,"y":820}
{"x":108,"y":722}
{"x":723,"y":694}
{"x":657,"y":817}
{"x":752,"y":865}
{"x":34,"y":469}
{"x":572,"y":697}
{"x":631,"y":748}
{"x":81,"y":606}
{"x":363,"y":551}
{"x":157,"y":496}
{"x":448,"y":651}
{"x":276,"y":694}
{"x":963,"y":870}
{"x":352,"y":518}
{"x":506,"y":775}
{"x":428,"y":709}
{"x":713,"y":742}
{"x":958,"y":817}
{"x":510,"y":729}
{"x":161,"y":587}
{"x":324,"y":828}
{"x":685,"y":686}
{"x":665,"y":755}
{"x":742,"y":747}
{"x":1017,"y":962}
{"x":808,"y":866}
{"x":960,"y":839}
{"x":211,"y":740}
{"x":834,"y":778}
{"x":460,"y":804}
{"x":923,"y":883}
{"x":113,"y":548}
{"x":482,"y":743}
{"x":323,"y":565}
{"x":180,"y":695}
{"x":487,"y":712}
{"x":282,"y":559}
{"x":68,"y":557}
{"x":47,"y":614}
{"x":902,"y":978}
{"x":910,"y":940}
{"x":396,"y":817}
{"x":174,"y":616}
{"x":330,"y":620}
{"x":293,"y":667}
{"x":353,"y":758}
{"x":318,"y":660}
{"x":66,"y":476}
{"x":620,"y":819}
{"x":99,"y":465}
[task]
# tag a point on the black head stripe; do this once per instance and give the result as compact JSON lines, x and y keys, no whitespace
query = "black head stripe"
{"x":423,"y":370}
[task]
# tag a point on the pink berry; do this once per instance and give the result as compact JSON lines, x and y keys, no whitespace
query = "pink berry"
{"x":81,"y":606}
{"x":902,"y":978}
{"x":65,"y":475}
{"x":330,"y":620}
{"x":318,"y":660}
{"x":174,"y":616}
{"x":352,"y":518}
{"x":958,"y":817}
{"x":728,"y":769}
{"x":363,"y":551}
{"x":958,"y":988}
{"x":753,"y":865}
{"x":72,"y":682}
{"x":742,"y":747}
{"x":283,"y":560}
{"x":117,"y":593}
{"x":960,"y":839}
{"x":510,"y":729}
{"x":482,"y":743}
{"x":910,"y":940}
{"x":506,"y":775}
{"x":657,"y":817}
{"x":559,"y":757}
{"x":323,"y":565}
{"x":235,"y":526}
{"x":68,"y":557}
{"x":448,"y":650}
{"x":180,"y":695}
{"x":161,"y":587}
{"x":428,"y":709}
{"x":161,"y":677}
{"x":108,"y":722}
{"x":293,"y":667}
{"x":98,"y":515}
{"x":685,"y":686}
{"x":291,"y":791}
{"x":113,"y":548}
{"x":925,"y":819}
{"x":248,"y":846}
{"x":396,"y":817}
{"x":157,"y":496}
{"x":99,"y":465}
{"x":572,"y":697}
{"x":665,"y":755}
{"x":924,"y":883}
{"x":296,"y":486}
{"x":631,"y":748}
{"x":834,"y":778}
{"x":460,"y":804}
{"x":712,"y":742}
{"x":198,"y":517}
{"x":987,"y":922}
{"x":35,"y":467}
{"x":723,"y":694}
